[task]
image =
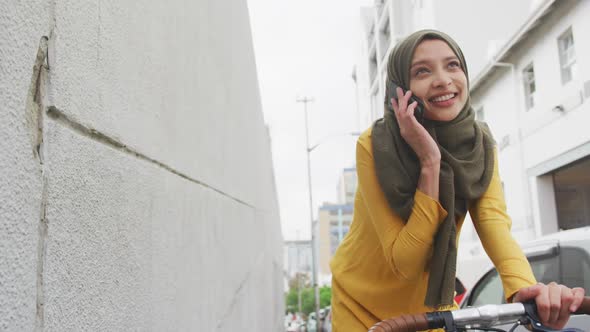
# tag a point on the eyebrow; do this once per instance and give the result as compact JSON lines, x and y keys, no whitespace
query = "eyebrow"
{"x":421,"y":62}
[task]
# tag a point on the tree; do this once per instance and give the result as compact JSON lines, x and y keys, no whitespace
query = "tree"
{"x":299,"y":276}
{"x":292,"y":297}
{"x":325,"y":296}
{"x":307,"y":295}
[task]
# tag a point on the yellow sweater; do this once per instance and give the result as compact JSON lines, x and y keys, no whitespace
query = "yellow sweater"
{"x":380,"y":269}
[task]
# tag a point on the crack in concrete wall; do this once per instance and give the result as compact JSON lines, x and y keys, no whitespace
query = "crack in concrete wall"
{"x":33,"y":108}
{"x":41,"y":251}
{"x":238,"y":291}
{"x":34,"y":121}
{"x":55,"y":114}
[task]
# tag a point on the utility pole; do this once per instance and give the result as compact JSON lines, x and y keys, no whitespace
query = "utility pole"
{"x":299,"y":293}
{"x":314,"y":281}
{"x":298,"y":274}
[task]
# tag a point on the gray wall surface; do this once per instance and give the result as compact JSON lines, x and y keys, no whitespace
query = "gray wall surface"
{"x":137,"y":190}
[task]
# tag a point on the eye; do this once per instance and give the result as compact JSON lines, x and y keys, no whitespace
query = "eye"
{"x":454,"y":64}
{"x":420,"y":70}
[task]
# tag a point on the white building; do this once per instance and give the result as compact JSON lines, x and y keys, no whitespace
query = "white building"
{"x":137,"y":185}
{"x":534,"y":96}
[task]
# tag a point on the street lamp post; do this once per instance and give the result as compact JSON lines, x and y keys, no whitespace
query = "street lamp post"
{"x":305,"y":101}
{"x":314,"y":282}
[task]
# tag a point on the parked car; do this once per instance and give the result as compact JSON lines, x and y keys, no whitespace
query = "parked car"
{"x":311,"y":323}
{"x":325,"y":317}
{"x":460,"y":291}
{"x":327,"y":324}
{"x":563,"y":257}
{"x":296,"y":326}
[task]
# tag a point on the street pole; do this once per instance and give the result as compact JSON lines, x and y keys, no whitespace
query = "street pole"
{"x":314,"y":258}
{"x":299,"y":293}
{"x":298,"y":274}
{"x":316,"y":291}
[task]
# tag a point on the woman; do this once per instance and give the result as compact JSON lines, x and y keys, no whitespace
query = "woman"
{"x":416,"y":183}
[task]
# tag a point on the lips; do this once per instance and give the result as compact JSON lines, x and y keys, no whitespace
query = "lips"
{"x":444,"y":100}
{"x":444,"y":97}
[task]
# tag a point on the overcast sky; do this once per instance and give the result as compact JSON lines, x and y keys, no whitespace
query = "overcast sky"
{"x":307,"y":48}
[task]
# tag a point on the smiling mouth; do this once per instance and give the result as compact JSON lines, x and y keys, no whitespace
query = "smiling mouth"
{"x":443,"y":98}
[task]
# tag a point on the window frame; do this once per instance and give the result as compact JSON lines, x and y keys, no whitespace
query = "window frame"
{"x":528,"y":80}
{"x":567,"y":56}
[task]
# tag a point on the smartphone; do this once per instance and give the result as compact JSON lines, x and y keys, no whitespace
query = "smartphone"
{"x":418,"y":111}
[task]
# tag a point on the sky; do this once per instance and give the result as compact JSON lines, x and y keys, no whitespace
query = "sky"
{"x":307,"y":48}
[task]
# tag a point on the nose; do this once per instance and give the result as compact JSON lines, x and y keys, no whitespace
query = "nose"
{"x":441,"y":79}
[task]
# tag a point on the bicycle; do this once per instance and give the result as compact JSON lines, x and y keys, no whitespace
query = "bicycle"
{"x":482,"y":318}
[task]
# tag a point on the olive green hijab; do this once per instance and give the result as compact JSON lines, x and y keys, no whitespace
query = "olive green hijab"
{"x":467,"y":162}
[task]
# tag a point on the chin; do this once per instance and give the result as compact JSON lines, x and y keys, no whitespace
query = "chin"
{"x":442,"y":116}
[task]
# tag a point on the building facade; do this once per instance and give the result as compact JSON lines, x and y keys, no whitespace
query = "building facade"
{"x":534,"y":95}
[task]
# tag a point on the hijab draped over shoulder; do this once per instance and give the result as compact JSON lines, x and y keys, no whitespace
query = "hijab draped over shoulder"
{"x":467,"y":162}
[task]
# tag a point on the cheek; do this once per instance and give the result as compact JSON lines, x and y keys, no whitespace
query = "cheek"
{"x":419,"y":89}
{"x":461,"y":82}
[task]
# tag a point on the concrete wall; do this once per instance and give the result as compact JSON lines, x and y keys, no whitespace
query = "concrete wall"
{"x":138,"y":189}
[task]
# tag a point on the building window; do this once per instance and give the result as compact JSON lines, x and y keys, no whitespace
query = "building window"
{"x":567,"y":56}
{"x":528,"y":78}
{"x":372,"y":65}
{"x":479,"y":115}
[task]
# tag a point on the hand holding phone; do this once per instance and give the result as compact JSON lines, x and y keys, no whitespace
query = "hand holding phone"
{"x":415,"y":134}
{"x":418,"y":111}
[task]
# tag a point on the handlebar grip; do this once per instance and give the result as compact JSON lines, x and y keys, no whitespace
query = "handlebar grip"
{"x":404,"y":323}
{"x":584,"y":308}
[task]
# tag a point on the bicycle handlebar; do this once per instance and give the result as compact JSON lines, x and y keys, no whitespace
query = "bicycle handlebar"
{"x":483,"y":316}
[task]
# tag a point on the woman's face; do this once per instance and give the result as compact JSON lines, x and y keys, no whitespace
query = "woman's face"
{"x":437,"y":78}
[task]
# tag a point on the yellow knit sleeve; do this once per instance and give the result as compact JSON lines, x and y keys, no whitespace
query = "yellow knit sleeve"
{"x":407,"y":247}
{"x":492,"y":223}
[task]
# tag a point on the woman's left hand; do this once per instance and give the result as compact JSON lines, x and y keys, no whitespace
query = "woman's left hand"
{"x":554,"y":302}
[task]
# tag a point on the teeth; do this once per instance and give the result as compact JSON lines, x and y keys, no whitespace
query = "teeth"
{"x":443,"y":98}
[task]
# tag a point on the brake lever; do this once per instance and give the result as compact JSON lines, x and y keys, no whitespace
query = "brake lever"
{"x":530,"y":309}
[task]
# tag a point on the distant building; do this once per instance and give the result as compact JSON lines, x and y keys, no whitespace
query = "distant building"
{"x":347,"y":186}
{"x":334,"y":222}
{"x":297,"y":257}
